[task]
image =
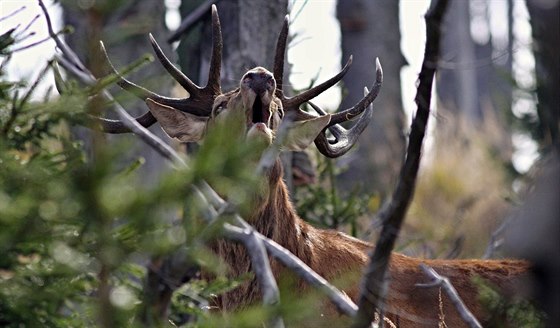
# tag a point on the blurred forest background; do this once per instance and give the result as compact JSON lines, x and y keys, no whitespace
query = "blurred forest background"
{"x":80,"y":211}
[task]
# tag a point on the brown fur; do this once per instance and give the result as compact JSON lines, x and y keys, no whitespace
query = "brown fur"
{"x":333,"y":255}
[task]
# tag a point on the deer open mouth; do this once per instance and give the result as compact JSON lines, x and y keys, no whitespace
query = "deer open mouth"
{"x":260,"y":111}
{"x":258,"y":120}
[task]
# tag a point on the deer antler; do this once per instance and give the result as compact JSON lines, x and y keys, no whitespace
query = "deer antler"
{"x":200,"y":99}
{"x":344,"y":139}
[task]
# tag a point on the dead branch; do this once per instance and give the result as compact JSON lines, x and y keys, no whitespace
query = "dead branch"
{"x":496,"y":239}
{"x":261,"y":266}
{"x":374,"y":282}
{"x":343,"y":304}
{"x":188,"y":22}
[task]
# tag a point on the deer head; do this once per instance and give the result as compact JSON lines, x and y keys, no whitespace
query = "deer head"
{"x":259,"y":99}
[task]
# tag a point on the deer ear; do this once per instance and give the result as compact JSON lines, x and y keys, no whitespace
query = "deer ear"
{"x":177,"y":124}
{"x":302,"y":133}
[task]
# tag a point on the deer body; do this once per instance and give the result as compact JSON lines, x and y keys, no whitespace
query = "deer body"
{"x":334,"y":255}
{"x":262,"y":106}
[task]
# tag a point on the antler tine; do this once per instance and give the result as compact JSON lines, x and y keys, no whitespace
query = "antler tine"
{"x":181,"y":78}
{"x":344,"y":139}
{"x":199,"y":108}
{"x":296,"y":101}
{"x":116,"y":126}
{"x":135,"y":89}
{"x":278,"y":71}
{"x":352,"y":112}
{"x":216,"y":57}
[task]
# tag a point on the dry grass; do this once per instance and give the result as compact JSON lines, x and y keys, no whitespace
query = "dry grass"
{"x":462,"y":192}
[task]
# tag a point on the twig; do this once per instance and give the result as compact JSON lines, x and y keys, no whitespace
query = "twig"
{"x":13,"y":13}
{"x":33,"y":20}
{"x":68,"y":53}
{"x":496,"y":239}
{"x":374,"y":282}
{"x":191,"y":19}
{"x":443,"y":282}
{"x":144,"y":134}
{"x":31,"y":45}
{"x":72,"y":63}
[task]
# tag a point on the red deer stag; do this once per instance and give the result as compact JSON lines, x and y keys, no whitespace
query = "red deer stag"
{"x":330,"y":253}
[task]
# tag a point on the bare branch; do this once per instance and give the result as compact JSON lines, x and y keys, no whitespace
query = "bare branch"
{"x":443,"y":282}
{"x":342,"y":302}
{"x":191,"y":20}
{"x":374,"y":282}
{"x":67,"y":51}
{"x":13,"y":13}
{"x":145,"y":135}
{"x":261,"y":266}
{"x":496,"y":239}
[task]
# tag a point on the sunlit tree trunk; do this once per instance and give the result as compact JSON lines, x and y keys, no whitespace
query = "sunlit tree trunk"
{"x":474,"y":83}
{"x":457,"y":79}
{"x":370,"y":29}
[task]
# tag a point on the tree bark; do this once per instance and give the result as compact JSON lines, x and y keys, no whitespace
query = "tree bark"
{"x":457,"y":80}
{"x":545,"y":17}
{"x":124,"y":30}
{"x":250,"y":30}
{"x":474,"y":83}
{"x":370,"y":29}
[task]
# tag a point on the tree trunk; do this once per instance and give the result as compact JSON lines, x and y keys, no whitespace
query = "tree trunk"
{"x":474,"y":83}
{"x":457,"y":80}
{"x":545,"y":16}
{"x":124,"y":31}
{"x":370,"y":29}
{"x":250,"y":30}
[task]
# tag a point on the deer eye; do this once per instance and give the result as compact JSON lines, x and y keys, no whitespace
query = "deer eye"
{"x":218,"y":109}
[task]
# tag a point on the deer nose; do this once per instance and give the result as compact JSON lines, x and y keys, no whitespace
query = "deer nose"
{"x":259,"y":82}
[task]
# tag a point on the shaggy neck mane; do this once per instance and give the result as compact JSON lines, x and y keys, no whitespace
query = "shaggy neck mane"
{"x":277,"y":219}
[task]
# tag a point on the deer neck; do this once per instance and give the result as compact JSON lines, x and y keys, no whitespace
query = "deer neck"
{"x":276,"y":217}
